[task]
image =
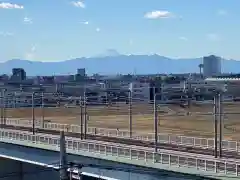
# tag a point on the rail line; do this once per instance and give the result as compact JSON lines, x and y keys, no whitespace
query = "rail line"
{"x":174,"y":147}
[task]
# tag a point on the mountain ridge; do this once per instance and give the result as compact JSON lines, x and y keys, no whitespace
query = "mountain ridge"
{"x":115,"y":64}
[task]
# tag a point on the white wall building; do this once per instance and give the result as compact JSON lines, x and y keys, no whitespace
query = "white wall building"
{"x":211,"y":66}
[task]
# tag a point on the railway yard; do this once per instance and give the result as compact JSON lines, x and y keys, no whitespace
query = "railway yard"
{"x":173,"y":119}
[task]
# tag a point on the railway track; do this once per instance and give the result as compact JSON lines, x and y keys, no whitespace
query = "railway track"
{"x":180,"y":148}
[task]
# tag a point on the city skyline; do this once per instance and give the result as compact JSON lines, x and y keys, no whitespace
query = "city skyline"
{"x":60,"y":30}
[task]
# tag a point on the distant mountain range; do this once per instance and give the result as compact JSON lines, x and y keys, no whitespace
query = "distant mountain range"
{"x":114,"y":63}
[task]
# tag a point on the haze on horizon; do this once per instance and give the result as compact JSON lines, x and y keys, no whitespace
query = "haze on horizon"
{"x":33,"y":30}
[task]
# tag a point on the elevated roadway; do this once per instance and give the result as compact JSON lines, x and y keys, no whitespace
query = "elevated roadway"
{"x":44,"y":148}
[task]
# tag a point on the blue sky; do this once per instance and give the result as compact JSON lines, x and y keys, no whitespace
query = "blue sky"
{"x":52,"y":30}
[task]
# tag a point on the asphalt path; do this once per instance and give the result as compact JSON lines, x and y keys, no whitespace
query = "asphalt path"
{"x":165,"y":146}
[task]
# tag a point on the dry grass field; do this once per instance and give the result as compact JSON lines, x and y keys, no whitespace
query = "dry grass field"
{"x":199,"y":122}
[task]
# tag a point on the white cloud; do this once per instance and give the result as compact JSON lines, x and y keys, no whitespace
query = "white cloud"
{"x":27,"y":20}
{"x":183,"y":38}
{"x":85,"y":22}
{"x":213,"y":37}
{"x":79,"y":4}
{"x":98,"y":29}
{"x":222,"y":12}
{"x":158,"y":14}
{"x":6,"y":33}
{"x":31,"y":54}
{"x":6,"y":5}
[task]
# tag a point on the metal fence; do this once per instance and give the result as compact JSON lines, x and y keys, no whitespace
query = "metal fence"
{"x":220,"y":167}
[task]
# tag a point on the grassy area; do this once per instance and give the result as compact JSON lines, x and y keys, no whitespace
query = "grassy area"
{"x":117,"y":116}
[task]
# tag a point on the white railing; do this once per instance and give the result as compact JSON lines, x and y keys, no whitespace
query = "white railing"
{"x":221,"y":167}
{"x":205,"y":143}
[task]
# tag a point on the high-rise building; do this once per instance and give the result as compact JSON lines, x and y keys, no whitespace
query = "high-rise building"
{"x":211,"y":66}
{"x":81,"y":72}
{"x":18,"y":74}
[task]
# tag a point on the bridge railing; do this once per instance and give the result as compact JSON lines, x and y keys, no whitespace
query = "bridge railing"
{"x":23,"y":122}
{"x":205,"y":143}
{"x":162,"y":159}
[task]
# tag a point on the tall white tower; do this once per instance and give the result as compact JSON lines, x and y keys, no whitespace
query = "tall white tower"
{"x":211,"y":66}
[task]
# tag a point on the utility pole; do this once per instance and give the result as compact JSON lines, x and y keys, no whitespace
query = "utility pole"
{"x":63,"y":158}
{"x":155,"y":121}
{"x":130,"y":112}
{"x":215,"y":110}
{"x":33,"y":113}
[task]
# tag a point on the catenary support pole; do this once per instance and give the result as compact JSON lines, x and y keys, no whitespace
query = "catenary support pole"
{"x":215,"y":126}
{"x":15,"y":100}
{"x":33,"y":113}
{"x":220,"y":123}
{"x":130,"y":113}
{"x":1,"y":107}
{"x":189,"y":95}
{"x":85,"y":116}
{"x":81,"y":116}
{"x":4,"y":106}
{"x":43,"y":110}
{"x":63,"y":158}
{"x":155,"y":122}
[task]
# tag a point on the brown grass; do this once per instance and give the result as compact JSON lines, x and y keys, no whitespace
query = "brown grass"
{"x":117,"y":116}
